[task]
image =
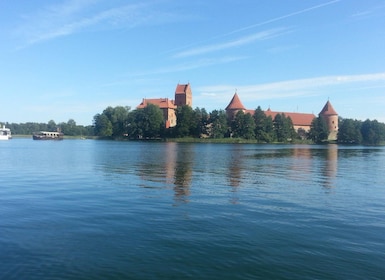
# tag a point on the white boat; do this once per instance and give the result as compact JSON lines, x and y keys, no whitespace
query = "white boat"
{"x":5,"y":133}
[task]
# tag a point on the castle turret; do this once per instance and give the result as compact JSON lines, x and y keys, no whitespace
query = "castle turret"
{"x":234,"y":106}
{"x":331,"y":118}
{"x":183,"y":95}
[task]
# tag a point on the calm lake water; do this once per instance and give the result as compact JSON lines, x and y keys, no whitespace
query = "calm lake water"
{"x":85,"y":209}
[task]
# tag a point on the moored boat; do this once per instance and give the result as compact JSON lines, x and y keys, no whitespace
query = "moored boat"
{"x":47,"y":135}
{"x":5,"y":133}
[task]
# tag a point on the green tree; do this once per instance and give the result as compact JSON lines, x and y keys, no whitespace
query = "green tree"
{"x":119,"y":121}
{"x":264,"y":126}
{"x":70,"y":128}
{"x":243,"y":125}
{"x":218,"y":124}
{"x":51,"y":126}
{"x":201,"y":120}
{"x":283,"y":127}
{"x":186,"y":124}
{"x":349,"y":131}
{"x":102,"y":126}
{"x":113,"y":122}
{"x":318,"y":130}
{"x":373,"y":132}
{"x":146,"y":123}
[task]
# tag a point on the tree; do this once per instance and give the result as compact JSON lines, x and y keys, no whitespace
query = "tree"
{"x":102,"y":126}
{"x":373,"y":132}
{"x":186,"y":124}
{"x":318,"y":130}
{"x":218,"y":124}
{"x":283,"y":127}
{"x":70,"y":128}
{"x":264,"y":127}
{"x":201,"y":119}
{"x":112,"y":122}
{"x":243,"y":125}
{"x":51,"y":126}
{"x":349,"y":131}
{"x":146,"y":123}
{"x":119,"y":121}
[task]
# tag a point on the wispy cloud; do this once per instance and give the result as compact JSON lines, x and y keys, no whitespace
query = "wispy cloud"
{"x":77,"y":16}
{"x":263,"y":35}
{"x":292,"y":88}
{"x":282,"y":17}
{"x":259,"y":24}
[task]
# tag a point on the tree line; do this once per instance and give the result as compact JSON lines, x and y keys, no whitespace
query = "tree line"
{"x":121,"y":122}
{"x":148,"y":123}
{"x":69,"y":128}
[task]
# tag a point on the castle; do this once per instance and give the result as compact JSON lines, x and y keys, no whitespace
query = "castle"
{"x":183,"y":96}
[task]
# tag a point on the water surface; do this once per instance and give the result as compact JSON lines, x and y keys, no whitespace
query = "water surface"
{"x":85,"y":209}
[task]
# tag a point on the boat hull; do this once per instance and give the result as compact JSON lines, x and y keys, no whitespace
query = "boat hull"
{"x":47,"y":135}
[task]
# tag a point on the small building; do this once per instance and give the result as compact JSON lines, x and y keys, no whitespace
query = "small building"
{"x":183,"y":96}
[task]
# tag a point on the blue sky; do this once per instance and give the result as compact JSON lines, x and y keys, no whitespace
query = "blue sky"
{"x":62,"y":60}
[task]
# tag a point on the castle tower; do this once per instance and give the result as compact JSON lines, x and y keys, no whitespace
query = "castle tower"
{"x":183,"y":95}
{"x":331,"y":118}
{"x":234,"y":106}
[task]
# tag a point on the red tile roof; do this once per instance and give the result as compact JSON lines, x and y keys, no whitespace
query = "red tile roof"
{"x":328,"y":110}
{"x":182,"y":89}
{"x":162,"y":103}
{"x":235,"y":104}
{"x":298,"y":119}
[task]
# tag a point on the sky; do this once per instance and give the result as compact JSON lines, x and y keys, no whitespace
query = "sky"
{"x":71,"y":59}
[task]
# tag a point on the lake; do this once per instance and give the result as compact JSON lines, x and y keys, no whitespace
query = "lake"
{"x":87,"y":209}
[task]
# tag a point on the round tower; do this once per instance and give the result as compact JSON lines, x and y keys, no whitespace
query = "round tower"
{"x":234,"y":106}
{"x":331,"y":117}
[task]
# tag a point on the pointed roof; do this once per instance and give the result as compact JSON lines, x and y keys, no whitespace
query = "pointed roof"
{"x":328,"y":110}
{"x":235,"y":104}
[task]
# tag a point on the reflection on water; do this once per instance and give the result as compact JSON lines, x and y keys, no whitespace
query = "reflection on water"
{"x":181,"y":167}
{"x":138,"y":210}
{"x":182,"y":173}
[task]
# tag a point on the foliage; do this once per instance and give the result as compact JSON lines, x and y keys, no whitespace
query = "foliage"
{"x":186,"y":122}
{"x":264,"y":126}
{"x":318,"y":130}
{"x":146,"y":123}
{"x":243,"y":126}
{"x":202,"y":120}
{"x":119,"y":122}
{"x":373,"y":132}
{"x":70,"y":128}
{"x":349,"y":131}
{"x":112,"y":122}
{"x":283,"y":127}
{"x":217,"y":123}
{"x":358,"y":132}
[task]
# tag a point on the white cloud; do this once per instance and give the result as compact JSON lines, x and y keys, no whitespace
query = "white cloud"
{"x":77,"y":16}
{"x":292,"y":88}
{"x":263,"y":35}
